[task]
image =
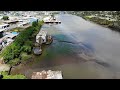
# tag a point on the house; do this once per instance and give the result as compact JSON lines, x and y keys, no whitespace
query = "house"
{"x":4,"y":26}
{"x":1,"y":33}
{"x":11,"y":21}
{"x":23,"y":24}
{"x":41,"y":37}
{"x":10,"y":35}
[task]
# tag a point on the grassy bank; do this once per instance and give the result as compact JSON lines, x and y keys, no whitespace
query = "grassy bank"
{"x":13,"y":53}
{"x":114,"y":25}
{"x":18,"y":76}
{"x":21,"y":49}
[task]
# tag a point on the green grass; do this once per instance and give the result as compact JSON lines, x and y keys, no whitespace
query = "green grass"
{"x":17,"y":76}
{"x":24,"y":56}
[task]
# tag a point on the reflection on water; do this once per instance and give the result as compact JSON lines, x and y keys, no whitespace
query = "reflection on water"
{"x":80,"y":49}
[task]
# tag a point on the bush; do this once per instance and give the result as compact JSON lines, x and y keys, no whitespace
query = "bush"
{"x":12,"y":51}
{"x":17,"y":76}
{"x":29,"y":43}
{"x":7,"y":54}
{"x":5,"y":18}
{"x":35,"y":23}
{"x":14,"y":62}
{"x":24,"y":56}
{"x":27,"y":49}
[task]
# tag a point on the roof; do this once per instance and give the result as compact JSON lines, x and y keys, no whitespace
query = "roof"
{"x":4,"y":24}
{"x":47,"y":75}
{"x":2,"y":30}
{"x":10,"y":35}
{"x":1,"y":39}
{"x":42,"y":32}
{"x":10,"y":21}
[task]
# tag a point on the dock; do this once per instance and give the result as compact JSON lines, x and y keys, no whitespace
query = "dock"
{"x":52,"y":22}
{"x":47,"y":75}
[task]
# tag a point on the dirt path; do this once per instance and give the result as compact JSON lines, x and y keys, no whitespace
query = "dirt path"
{"x":4,"y":67}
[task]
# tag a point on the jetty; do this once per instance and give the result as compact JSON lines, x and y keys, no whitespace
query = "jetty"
{"x":47,"y":75}
{"x":51,"y":20}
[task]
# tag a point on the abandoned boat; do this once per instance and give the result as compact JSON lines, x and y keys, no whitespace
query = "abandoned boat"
{"x":41,"y":38}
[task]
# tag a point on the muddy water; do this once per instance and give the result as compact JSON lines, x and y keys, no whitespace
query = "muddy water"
{"x":80,"y":49}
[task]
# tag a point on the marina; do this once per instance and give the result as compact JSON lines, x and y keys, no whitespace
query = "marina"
{"x":60,"y":46}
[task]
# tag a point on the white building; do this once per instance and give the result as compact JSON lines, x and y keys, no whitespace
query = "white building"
{"x":41,"y":37}
{"x":23,"y":23}
{"x":10,"y":35}
{"x":4,"y":26}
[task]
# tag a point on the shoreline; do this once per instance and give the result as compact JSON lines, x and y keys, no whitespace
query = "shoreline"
{"x":22,"y":54}
{"x":113,"y":25}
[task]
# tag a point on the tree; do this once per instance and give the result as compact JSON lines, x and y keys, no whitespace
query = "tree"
{"x":5,"y":18}
{"x":34,"y":24}
{"x":27,"y":48}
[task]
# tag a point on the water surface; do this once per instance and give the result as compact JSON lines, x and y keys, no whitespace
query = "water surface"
{"x":80,"y":49}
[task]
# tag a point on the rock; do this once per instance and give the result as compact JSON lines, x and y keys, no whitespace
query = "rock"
{"x":49,"y":40}
{"x":37,"y":50}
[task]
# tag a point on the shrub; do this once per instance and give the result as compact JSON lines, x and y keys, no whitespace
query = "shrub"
{"x":7,"y":54}
{"x":24,"y":56}
{"x":35,"y":23}
{"x":27,"y":48}
{"x":5,"y":18}
{"x":14,"y":61}
{"x":29,"y":43}
{"x":12,"y":51}
{"x":17,"y":76}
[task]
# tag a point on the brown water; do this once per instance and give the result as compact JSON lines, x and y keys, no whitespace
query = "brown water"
{"x":80,"y":49}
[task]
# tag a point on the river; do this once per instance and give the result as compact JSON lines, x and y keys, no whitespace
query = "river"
{"x":80,"y":49}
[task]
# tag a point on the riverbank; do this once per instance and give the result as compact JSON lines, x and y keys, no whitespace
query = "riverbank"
{"x":95,"y":41}
{"x":114,"y":25}
{"x":20,"y":51}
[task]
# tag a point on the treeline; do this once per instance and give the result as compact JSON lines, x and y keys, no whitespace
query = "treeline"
{"x":99,"y":20}
{"x":103,"y":13}
{"x":114,"y":25}
{"x":22,"y":45}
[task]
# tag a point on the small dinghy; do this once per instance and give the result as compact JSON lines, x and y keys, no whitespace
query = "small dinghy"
{"x":37,"y":50}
